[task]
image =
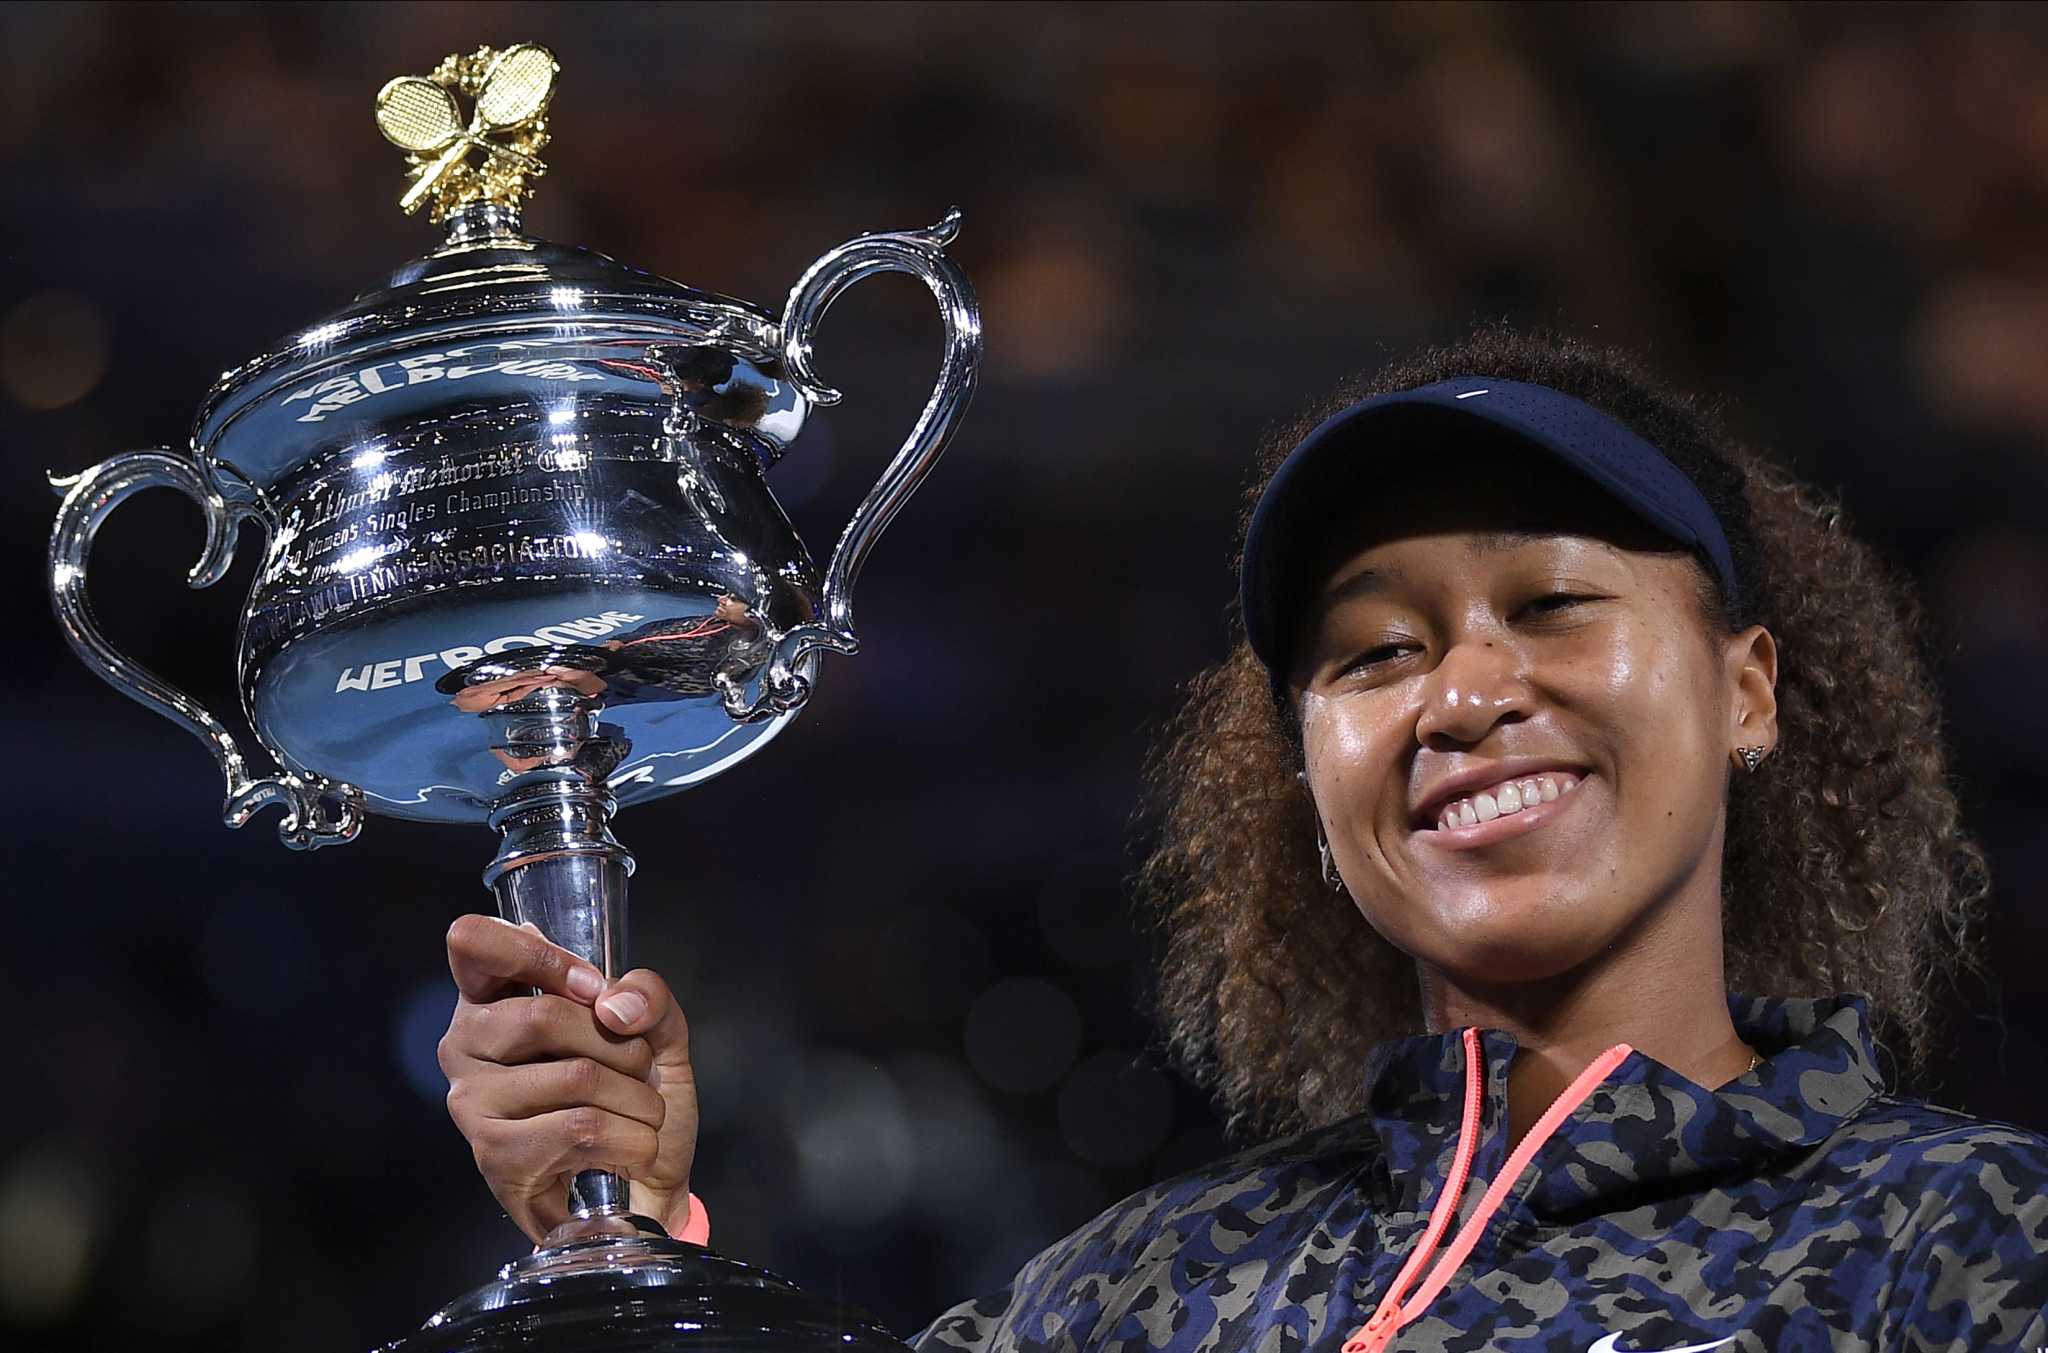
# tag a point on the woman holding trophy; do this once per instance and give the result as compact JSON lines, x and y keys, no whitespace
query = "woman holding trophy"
{"x":1538,"y":875}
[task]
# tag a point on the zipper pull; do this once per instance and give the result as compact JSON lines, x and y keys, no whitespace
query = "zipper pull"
{"x":1374,"y":1335}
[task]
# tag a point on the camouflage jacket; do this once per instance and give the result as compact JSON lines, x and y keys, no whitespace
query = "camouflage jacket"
{"x":1799,"y":1207}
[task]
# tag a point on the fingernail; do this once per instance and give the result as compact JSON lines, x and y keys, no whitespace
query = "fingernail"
{"x":586,"y":984}
{"x":626,"y":1006}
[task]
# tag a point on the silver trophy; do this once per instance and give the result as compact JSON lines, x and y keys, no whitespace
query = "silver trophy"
{"x":522,"y":567}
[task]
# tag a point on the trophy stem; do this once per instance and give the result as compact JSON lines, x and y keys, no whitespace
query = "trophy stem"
{"x":558,"y":865}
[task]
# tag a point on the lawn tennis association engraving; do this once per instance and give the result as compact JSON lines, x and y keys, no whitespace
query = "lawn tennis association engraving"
{"x":377,"y":676}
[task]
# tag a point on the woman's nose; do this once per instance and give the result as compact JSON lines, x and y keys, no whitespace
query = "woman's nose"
{"x":1477,"y":686}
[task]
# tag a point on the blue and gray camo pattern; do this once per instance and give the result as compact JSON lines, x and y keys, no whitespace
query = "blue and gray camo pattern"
{"x":1797,"y":1208}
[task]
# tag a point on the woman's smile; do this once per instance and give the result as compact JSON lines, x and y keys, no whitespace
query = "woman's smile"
{"x":1512,"y":804}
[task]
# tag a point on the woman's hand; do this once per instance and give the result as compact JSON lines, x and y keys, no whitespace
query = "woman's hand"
{"x":582,"y":1076}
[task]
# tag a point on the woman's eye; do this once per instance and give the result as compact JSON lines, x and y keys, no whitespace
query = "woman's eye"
{"x":1376,"y":656}
{"x":1550,"y":603}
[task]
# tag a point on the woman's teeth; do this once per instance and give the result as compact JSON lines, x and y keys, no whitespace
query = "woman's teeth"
{"x":1510,"y":796}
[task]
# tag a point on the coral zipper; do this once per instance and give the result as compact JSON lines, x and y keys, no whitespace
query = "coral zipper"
{"x":1392,"y":1313}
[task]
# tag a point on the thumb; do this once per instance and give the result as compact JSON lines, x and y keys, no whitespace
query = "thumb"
{"x":641,"y":1005}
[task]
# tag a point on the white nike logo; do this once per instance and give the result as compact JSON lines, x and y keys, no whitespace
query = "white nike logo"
{"x":1612,"y":1344}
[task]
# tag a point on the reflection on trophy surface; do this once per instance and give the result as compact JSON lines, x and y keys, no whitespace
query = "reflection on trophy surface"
{"x":523,"y":567}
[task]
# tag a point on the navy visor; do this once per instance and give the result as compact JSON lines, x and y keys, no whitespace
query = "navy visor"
{"x":1294,"y":506}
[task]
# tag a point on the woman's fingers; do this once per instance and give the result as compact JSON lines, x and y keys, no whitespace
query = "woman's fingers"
{"x":537,"y":1211}
{"x":516,"y":1030}
{"x":640,"y":1004}
{"x":529,"y":1162}
{"x":517,"y":1092}
{"x":490,"y":958}
{"x":582,"y":1076}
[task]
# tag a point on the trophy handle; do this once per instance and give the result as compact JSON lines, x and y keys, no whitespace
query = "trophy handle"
{"x":318,"y":811}
{"x":920,"y":253}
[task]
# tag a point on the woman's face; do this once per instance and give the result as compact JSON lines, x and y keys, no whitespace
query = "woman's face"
{"x":1517,"y":723}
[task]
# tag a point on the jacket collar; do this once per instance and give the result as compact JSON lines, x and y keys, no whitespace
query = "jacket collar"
{"x":1645,"y":1133}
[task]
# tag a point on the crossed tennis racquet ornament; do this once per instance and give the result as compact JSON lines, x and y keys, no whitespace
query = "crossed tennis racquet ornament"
{"x":509,"y":92}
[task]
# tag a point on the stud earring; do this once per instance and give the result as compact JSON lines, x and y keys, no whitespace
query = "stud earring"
{"x":1752,"y":757}
{"x":1330,"y":874}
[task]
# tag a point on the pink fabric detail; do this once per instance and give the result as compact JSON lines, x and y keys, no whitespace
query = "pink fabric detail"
{"x":1393,"y":1312}
{"x":1388,"y":1318}
{"x":697,"y":1230}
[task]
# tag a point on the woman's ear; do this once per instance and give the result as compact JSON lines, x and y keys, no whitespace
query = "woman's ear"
{"x":1752,"y":664}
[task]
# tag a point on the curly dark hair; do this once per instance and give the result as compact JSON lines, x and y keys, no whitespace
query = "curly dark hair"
{"x":1846,"y":867}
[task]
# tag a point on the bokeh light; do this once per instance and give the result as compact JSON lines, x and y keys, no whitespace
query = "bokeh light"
{"x":53,"y":349}
{"x":740,"y":1053}
{"x":964,"y":1155}
{"x":416,"y":1037}
{"x":855,"y":1151}
{"x":49,"y":1209}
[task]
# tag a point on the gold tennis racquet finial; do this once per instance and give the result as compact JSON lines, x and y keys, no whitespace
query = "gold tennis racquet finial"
{"x":493,"y":157}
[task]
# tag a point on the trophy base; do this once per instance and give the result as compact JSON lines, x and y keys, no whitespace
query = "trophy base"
{"x":634,"y":1290}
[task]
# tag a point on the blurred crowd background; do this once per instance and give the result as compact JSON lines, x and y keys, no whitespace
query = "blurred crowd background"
{"x":903,"y":934}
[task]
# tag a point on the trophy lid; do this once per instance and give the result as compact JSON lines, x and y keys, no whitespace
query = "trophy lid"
{"x":486,"y":267}
{"x":488,"y":284}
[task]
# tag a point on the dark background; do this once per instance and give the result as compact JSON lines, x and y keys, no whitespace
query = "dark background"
{"x":902,"y":934}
